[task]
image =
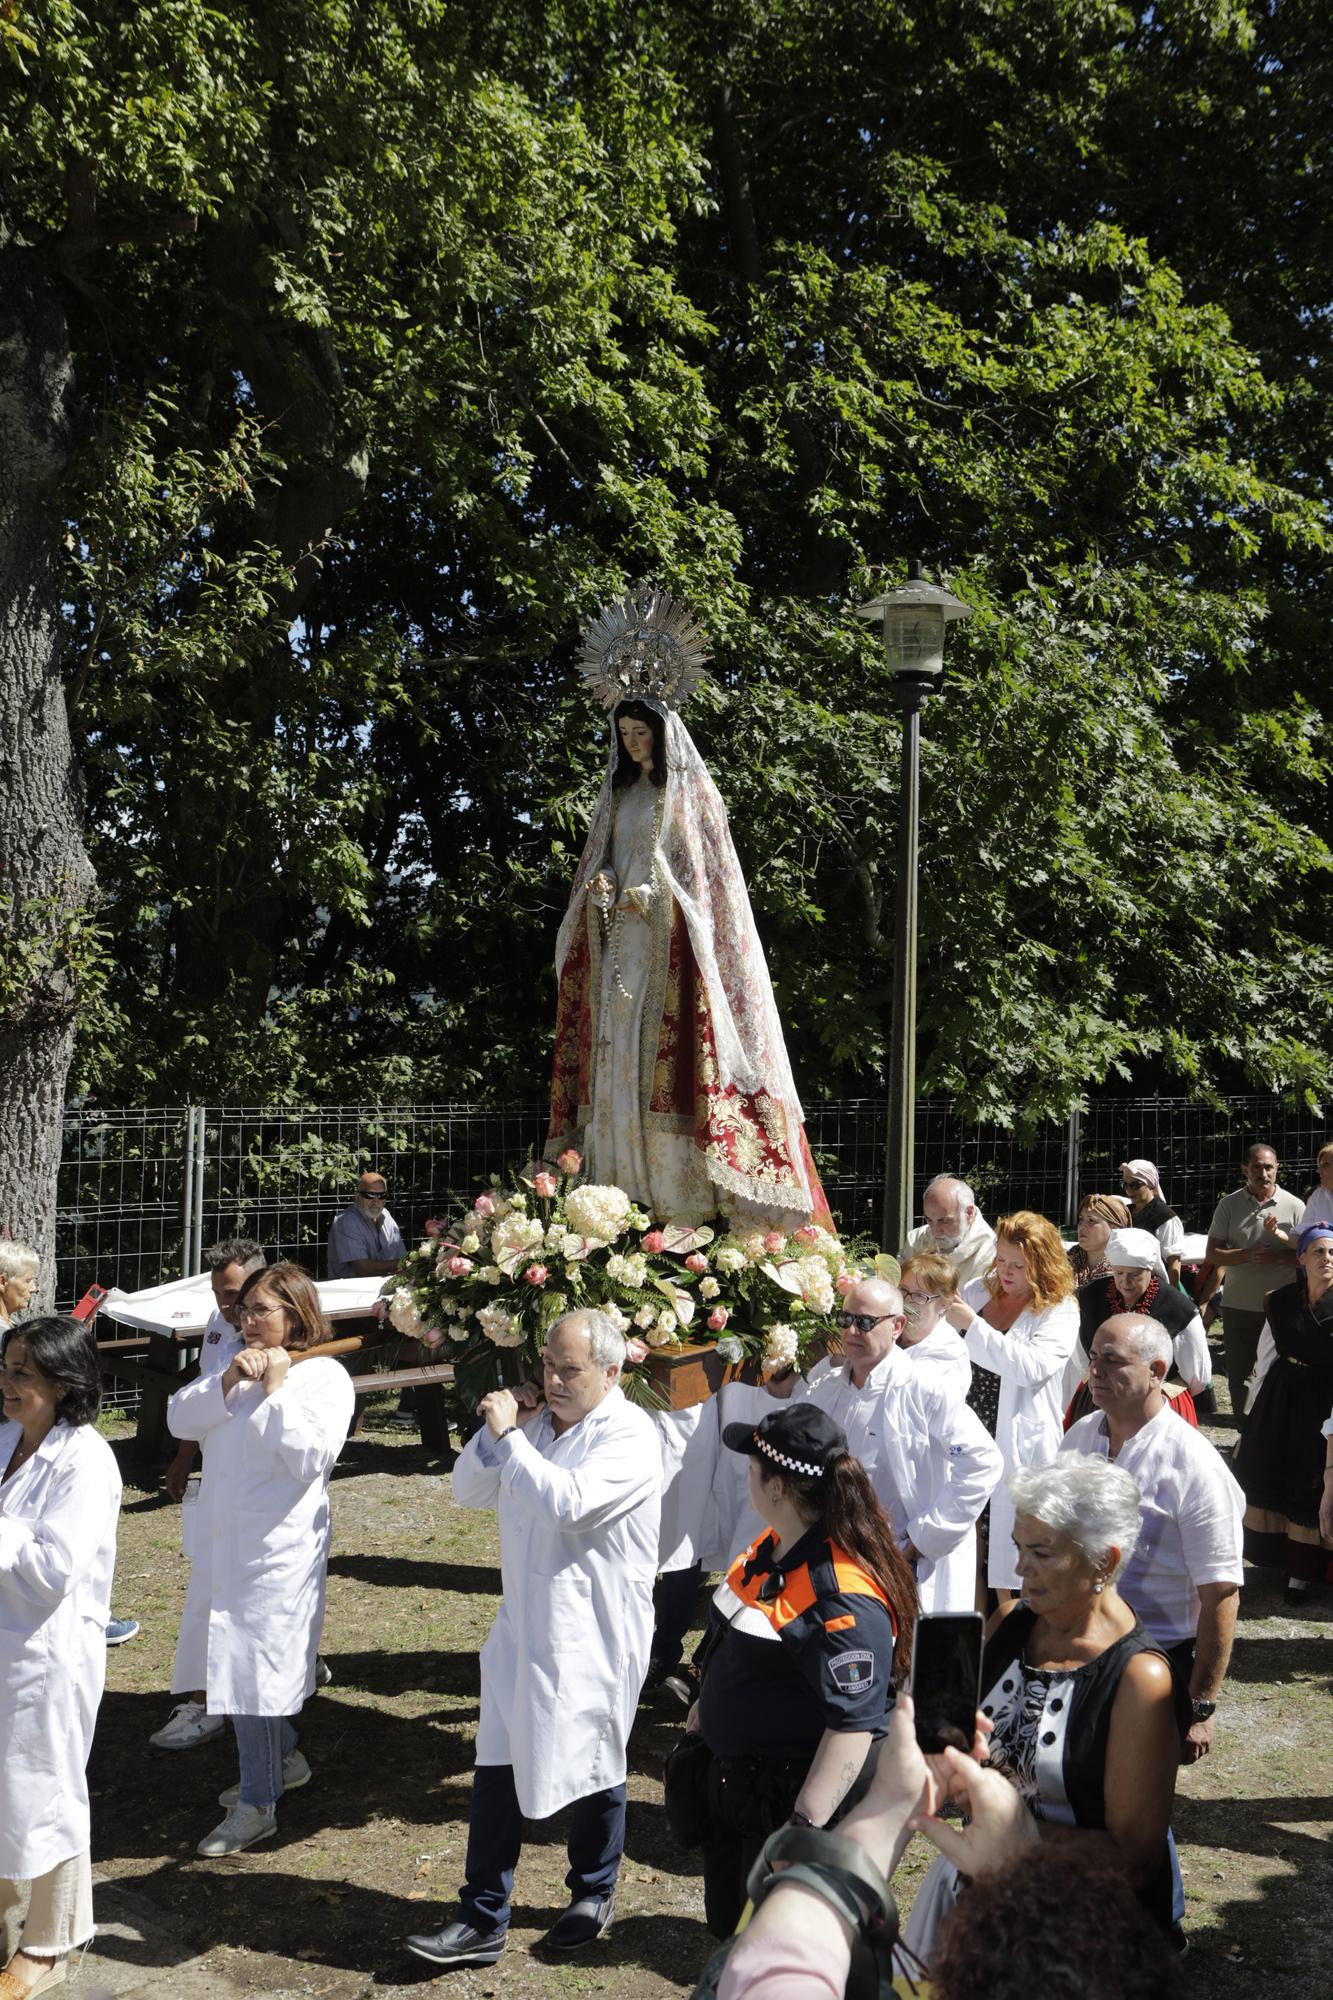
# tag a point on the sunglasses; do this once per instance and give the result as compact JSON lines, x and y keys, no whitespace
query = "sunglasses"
{"x":1133,"y":1186}
{"x":861,"y":1321}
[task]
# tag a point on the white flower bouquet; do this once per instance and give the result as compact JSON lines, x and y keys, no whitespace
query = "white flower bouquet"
{"x":492,"y":1280}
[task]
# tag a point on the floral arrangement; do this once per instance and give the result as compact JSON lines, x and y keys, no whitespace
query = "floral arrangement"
{"x":490,"y":1282}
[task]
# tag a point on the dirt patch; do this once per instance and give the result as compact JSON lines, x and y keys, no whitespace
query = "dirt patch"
{"x":373,"y":1847}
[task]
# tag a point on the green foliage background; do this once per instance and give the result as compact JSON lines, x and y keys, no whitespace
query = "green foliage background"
{"x":408,"y":332}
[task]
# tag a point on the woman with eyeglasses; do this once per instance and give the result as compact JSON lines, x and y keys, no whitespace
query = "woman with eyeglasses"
{"x":929,"y":1287}
{"x":1020,"y":1326}
{"x":1143,"y":1191}
{"x":274,"y":1425}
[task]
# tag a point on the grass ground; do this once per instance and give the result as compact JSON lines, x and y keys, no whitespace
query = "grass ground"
{"x":373,"y":1847}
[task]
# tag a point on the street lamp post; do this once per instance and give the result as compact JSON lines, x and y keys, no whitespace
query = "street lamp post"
{"x":913,"y":619}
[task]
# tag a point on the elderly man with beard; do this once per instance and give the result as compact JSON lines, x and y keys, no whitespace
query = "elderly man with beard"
{"x":955,"y":1227}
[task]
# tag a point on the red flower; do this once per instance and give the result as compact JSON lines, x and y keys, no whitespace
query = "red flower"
{"x":654,"y":1242}
{"x":536,"y":1274}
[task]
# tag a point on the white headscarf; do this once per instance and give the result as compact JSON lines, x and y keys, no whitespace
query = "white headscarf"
{"x":1135,"y":1250}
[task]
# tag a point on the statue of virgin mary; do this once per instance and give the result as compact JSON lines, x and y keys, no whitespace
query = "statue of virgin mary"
{"x":670,"y":1073}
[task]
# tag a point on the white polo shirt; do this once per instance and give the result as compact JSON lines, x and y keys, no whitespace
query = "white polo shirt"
{"x":1191,"y":1517}
{"x":221,"y":1345}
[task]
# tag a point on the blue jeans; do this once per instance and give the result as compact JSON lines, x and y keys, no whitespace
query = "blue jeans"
{"x":263,"y":1741}
{"x":495,"y":1835}
{"x":674,"y":1598}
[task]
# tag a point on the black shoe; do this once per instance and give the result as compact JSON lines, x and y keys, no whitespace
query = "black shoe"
{"x":1180,"y":1944}
{"x":581,"y":1925}
{"x":1295,"y":1594}
{"x":458,"y":1944}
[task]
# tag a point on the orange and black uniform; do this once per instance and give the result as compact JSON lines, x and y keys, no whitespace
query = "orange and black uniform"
{"x":794,"y":1648}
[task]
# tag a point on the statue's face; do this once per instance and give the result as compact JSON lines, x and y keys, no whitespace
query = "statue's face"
{"x":637,"y":738}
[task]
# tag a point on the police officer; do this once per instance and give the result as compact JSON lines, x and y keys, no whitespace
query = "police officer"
{"x":799,"y":1656}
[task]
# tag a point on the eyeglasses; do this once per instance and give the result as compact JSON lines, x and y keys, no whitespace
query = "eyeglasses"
{"x":922,"y":1298}
{"x":258,"y":1312}
{"x":861,"y":1321}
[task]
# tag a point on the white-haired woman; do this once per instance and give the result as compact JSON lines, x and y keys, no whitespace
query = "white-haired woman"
{"x":18,"y":1280}
{"x":1081,"y":1703}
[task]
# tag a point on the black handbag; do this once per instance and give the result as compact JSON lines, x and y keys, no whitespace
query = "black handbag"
{"x":685,"y":1784}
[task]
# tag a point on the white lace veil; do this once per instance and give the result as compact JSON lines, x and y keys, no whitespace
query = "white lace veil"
{"x":697,"y":862}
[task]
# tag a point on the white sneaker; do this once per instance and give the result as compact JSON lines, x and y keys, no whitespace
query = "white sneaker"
{"x":243,"y":1826}
{"x":190,"y":1724}
{"x":295,"y":1773}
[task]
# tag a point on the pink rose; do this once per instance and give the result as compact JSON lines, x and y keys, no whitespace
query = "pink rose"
{"x":545,"y":1184}
{"x":717,"y":1319}
{"x":431,"y":1226}
{"x":380,"y":1310}
{"x":696,"y":1261}
{"x":654,"y":1242}
{"x":807,"y":1233}
{"x":483,"y":1205}
{"x":635,"y":1351}
{"x":774,"y":1240}
{"x":458,"y":1267}
{"x":431,"y":1336}
{"x":536,"y":1274}
{"x":569,"y":1161}
{"x":844,"y":1282}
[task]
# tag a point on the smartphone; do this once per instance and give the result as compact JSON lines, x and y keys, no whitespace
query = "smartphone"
{"x":90,"y":1304}
{"x":946,"y":1678}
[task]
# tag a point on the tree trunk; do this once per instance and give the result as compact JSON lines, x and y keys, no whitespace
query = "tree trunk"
{"x":45,"y":876}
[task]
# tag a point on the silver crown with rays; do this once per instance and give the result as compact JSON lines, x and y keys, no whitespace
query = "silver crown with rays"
{"x":645,"y":648}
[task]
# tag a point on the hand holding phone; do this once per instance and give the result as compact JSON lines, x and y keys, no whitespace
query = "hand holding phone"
{"x":946,"y":1679}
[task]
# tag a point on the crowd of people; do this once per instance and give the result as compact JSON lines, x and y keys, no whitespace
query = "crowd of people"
{"x":1010,"y":1428}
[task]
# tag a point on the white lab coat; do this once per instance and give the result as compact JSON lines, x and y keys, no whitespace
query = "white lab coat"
{"x":929,"y":1458}
{"x":689,"y":1441}
{"x":1030,"y":1362}
{"x":937,"y":1467}
{"x":57,"y":1551}
{"x":943,"y":1354}
{"x":255,"y":1606}
{"x":564,"y":1663}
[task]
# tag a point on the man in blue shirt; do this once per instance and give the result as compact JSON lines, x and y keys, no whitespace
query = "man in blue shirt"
{"x":364,"y":1240}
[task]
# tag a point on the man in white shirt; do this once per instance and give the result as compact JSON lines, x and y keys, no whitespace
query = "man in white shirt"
{"x":229,"y":1264}
{"x":578,"y":1488}
{"x":1185,"y":1575}
{"x":955,"y":1226}
{"x":930,"y":1459}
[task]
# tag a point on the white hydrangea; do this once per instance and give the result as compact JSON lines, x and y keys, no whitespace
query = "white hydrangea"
{"x":752,"y":1246}
{"x":556,"y":1237}
{"x":499,"y":1326}
{"x":404,"y":1313}
{"x":668,"y":1322}
{"x":730,"y":1257}
{"x":515,"y":1235}
{"x":491,"y":1274}
{"x":600,"y":1213}
{"x":709,"y":1288}
{"x":658,"y":1335}
{"x":816,"y":1284}
{"x":610,"y":1310}
{"x":780,"y":1346}
{"x":646,"y":1317}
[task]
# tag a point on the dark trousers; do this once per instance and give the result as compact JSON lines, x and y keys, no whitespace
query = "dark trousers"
{"x":749,"y":1798}
{"x":495,"y":1835}
{"x":674,"y":1599}
{"x":1240,"y":1339}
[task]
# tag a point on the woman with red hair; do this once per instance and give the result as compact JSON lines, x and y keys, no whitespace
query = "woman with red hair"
{"x":1020,"y":1326}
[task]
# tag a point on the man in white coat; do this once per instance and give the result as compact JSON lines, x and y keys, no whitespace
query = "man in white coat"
{"x":954,"y":1226}
{"x":578,"y":1488}
{"x":930,"y":1459}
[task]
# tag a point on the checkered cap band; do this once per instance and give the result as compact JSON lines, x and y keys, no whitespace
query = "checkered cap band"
{"x":790,"y":1464}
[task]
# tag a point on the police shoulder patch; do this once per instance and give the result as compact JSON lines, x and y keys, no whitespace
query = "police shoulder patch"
{"x":853,"y":1673}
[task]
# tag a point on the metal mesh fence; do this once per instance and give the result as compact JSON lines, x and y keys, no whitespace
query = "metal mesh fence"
{"x":142,"y":1192}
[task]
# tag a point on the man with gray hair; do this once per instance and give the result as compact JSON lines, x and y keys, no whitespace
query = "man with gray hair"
{"x":1185,"y":1576}
{"x":955,"y":1227}
{"x":577,"y":1482}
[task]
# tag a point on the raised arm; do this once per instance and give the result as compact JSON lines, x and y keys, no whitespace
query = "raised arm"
{"x":617,"y":1477}
{"x":1030,"y":1354}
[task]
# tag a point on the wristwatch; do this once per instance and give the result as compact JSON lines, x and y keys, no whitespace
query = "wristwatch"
{"x":1202,"y":1711}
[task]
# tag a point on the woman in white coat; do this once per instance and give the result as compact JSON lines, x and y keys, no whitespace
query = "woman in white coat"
{"x":1020,"y":1325}
{"x":274,"y":1426}
{"x":59,"y":1499}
